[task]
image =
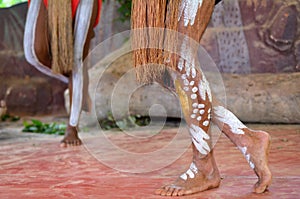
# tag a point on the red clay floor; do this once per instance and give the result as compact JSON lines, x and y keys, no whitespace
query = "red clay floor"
{"x":34,"y":166}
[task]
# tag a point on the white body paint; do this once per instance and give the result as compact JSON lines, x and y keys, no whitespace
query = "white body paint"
{"x":195,"y":105}
{"x":187,"y":62}
{"x":201,"y":106}
{"x":188,"y":11}
{"x":194,"y":90}
{"x":186,"y":82}
{"x":193,"y":72}
{"x":247,"y":156}
{"x":194,"y":96}
{"x":198,"y":138}
{"x":82,"y":22}
{"x":206,"y":123}
{"x":29,"y":40}
{"x":230,"y":119}
{"x":204,"y":88}
{"x":198,"y":111}
{"x":191,"y":172}
{"x":186,"y":89}
{"x":181,"y":64}
{"x":187,"y":65}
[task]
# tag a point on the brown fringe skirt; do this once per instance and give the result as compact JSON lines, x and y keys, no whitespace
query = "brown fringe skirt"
{"x":61,"y":35}
{"x":155,"y":27}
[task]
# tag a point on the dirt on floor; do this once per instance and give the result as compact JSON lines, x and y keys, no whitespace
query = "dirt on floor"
{"x":34,"y":166}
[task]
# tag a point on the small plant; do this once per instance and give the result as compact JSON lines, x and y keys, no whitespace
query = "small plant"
{"x":39,"y":127}
{"x":124,"y":10}
{"x":125,"y":123}
{"x":8,"y":3}
{"x":11,"y":118}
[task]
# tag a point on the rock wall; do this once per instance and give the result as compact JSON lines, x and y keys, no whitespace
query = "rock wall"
{"x":108,"y":26}
{"x":242,"y":38}
{"x":259,"y":98}
{"x":25,"y":90}
{"x":248,"y":38}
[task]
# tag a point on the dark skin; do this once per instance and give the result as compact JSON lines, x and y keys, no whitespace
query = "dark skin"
{"x":203,"y":173}
{"x":42,"y":50}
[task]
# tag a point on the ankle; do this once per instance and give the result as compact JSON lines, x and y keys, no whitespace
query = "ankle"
{"x":206,"y":164}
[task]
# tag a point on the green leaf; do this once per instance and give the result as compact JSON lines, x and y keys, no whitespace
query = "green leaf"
{"x":132,"y":120}
{"x":37,"y":122}
{"x":121,"y":124}
{"x":9,"y":3}
{"x":5,"y":117}
{"x":15,"y":118}
{"x":25,"y":123}
{"x":40,"y":127}
{"x":33,"y":129}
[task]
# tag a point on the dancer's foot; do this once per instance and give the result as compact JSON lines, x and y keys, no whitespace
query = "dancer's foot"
{"x":253,"y":144}
{"x":71,"y":137}
{"x":258,"y":149}
{"x":202,"y":175}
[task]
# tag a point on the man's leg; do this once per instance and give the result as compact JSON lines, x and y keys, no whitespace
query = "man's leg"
{"x":191,"y":85}
{"x":42,"y":41}
{"x":71,"y":137}
{"x":254,"y":145}
{"x":203,"y":173}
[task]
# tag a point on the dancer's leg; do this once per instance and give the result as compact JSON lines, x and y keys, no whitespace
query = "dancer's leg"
{"x":253,"y":144}
{"x":194,"y":93}
{"x":71,"y":137}
{"x":203,"y":173}
{"x":42,"y":41}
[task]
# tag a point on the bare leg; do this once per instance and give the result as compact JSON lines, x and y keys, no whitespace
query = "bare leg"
{"x":42,"y":41}
{"x":203,"y":173}
{"x":253,"y":144}
{"x":71,"y":137}
{"x":194,"y":94}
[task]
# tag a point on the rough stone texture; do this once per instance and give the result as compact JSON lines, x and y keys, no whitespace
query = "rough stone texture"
{"x":113,"y":84}
{"x":33,"y":166}
{"x":232,"y":43}
{"x":264,"y":98}
{"x":272,"y":98}
{"x":109,"y":25}
{"x":249,"y":38}
{"x":33,"y":96}
{"x":36,"y":96}
{"x":24,"y":89}
{"x":242,"y":38}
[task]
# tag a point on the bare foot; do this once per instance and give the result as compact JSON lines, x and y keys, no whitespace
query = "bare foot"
{"x":202,"y":175}
{"x":71,"y":137}
{"x":258,"y":149}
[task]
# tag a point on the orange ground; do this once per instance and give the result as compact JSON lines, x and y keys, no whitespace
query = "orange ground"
{"x":34,"y":166}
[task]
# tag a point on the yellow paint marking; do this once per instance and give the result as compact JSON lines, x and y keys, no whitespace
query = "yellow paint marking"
{"x":184,"y":100}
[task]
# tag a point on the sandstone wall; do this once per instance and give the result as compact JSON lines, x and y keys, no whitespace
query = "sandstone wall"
{"x":259,"y":98}
{"x":242,"y":39}
{"x":25,"y":90}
